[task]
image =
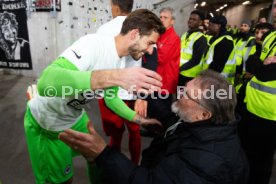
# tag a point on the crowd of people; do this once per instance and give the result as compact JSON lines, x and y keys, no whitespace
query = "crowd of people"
{"x":228,"y":137}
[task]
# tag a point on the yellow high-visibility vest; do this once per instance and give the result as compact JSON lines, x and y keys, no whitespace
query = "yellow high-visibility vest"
{"x":261,"y":96}
{"x":243,"y":51}
{"x":187,"y":43}
{"x":229,"y":69}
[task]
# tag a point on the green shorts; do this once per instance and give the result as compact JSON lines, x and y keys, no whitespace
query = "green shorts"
{"x":51,"y":158}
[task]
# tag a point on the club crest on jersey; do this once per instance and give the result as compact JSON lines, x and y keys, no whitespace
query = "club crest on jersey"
{"x":68,"y":169}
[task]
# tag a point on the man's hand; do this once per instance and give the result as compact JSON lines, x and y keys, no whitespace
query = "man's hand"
{"x":140,"y":107}
{"x":269,"y":60}
{"x":32,"y":91}
{"x":136,"y":79}
{"x":145,"y":121}
{"x":89,"y":145}
{"x":150,"y":122}
{"x":152,"y":125}
{"x":248,"y":75}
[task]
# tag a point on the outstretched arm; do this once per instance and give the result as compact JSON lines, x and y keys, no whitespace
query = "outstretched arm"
{"x":62,"y":73}
{"x":134,"y":78}
{"x":119,"y":107}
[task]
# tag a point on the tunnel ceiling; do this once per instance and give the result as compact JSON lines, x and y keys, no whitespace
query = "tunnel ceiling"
{"x":216,"y":3}
{"x":211,"y":2}
{"x":213,"y":5}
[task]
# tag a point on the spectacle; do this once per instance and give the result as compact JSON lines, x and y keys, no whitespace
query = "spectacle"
{"x":183,"y":93}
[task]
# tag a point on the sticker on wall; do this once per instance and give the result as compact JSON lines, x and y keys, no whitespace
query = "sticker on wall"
{"x":14,"y":38}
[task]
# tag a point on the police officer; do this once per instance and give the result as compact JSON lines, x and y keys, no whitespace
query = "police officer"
{"x":245,"y":45}
{"x":259,"y":140}
{"x":220,"y":55}
{"x":193,"y":46}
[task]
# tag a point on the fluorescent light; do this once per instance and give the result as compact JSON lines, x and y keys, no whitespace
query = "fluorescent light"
{"x":195,"y":6}
{"x":212,"y":15}
{"x":221,"y":8}
{"x":246,"y":2}
{"x":225,"y":5}
{"x":203,"y":3}
{"x":217,"y":10}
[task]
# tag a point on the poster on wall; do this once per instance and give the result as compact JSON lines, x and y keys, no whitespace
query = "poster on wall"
{"x":47,"y":5}
{"x":14,"y":38}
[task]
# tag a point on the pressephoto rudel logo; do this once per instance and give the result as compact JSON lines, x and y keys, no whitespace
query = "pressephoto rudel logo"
{"x":211,"y":93}
{"x":110,"y":93}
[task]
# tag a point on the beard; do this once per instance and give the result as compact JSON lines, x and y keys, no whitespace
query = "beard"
{"x":135,"y":52}
{"x":175,"y":108}
{"x":184,"y":115}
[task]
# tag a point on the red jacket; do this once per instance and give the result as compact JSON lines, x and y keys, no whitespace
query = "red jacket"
{"x":168,"y":49}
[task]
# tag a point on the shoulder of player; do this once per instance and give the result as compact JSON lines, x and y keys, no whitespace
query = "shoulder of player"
{"x":94,"y":39}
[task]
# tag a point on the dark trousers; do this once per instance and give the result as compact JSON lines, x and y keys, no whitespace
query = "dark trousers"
{"x":258,"y":138}
{"x":241,"y":106}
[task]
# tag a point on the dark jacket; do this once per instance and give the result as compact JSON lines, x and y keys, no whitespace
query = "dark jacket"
{"x":149,"y":61}
{"x":222,"y":52}
{"x":255,"y":66}
{"x":198,"y":153}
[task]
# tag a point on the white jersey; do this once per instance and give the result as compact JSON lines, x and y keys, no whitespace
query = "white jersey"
{"x":113,"y":28}
{"x":89,"y":53}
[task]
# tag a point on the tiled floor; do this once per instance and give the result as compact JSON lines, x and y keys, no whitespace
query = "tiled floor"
{"x":15,"y":165}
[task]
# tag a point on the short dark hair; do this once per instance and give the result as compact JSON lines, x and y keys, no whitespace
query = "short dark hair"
{"x":265,"y":26}
{"x":145,"y":21}
{"x":199,"y":13}
{"x":222,"y":109}
{"x":124,"y":5}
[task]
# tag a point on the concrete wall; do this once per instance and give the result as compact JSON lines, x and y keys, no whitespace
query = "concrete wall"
{"x":238,"y":13}
{"x":182,"y":8}
{"x":49,"y":35}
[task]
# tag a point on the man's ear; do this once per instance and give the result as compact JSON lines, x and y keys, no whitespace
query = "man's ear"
{"x":116,"y":10}
{"x":134,"y":34}
{"x":202,"y":115}
{"x":173,"y":21}
{"x":206,"y":115}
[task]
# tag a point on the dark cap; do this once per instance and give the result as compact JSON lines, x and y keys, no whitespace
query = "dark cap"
{"x":248,"y":22}
{"x":220,"y":19}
